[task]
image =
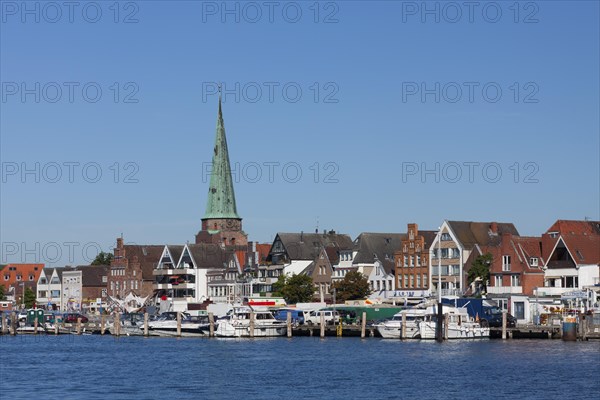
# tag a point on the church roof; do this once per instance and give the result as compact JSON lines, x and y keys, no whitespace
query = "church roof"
{"x":221,"y":197}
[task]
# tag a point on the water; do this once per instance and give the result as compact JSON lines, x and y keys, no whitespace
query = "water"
{"x":103,"y":367}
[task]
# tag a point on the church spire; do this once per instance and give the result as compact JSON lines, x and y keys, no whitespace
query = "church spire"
{"x":221,"y":198}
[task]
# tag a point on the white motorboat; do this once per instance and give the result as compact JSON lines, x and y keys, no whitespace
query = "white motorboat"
{"x":238,"y":324}
{"x":191,"y":326}
{"x":392,"y":329}
{"x":460,"y":324}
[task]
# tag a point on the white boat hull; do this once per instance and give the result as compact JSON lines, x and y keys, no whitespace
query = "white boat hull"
{"x":464,"y":331}
{"x":393,"y":330}
{"x":242,"y":329}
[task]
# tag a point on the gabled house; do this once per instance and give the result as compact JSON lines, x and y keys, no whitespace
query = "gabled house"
{"x":321,"y":270}
{"x":49,"y":289}
{"x":373,"y":256}
{"x":293,"y":253}
{"x":572,"y":257}
{"x":516,"y":266}
{"x":17,"y":277}
{"x":131,"y":270}
{"x":451,"y":250}
{"x":412,"y":263}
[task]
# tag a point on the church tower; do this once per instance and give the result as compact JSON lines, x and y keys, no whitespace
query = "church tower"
{"x":221,"y":223}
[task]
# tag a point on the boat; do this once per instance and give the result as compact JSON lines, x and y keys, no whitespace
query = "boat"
{"x":392,"y":328}
{"x":237,"y":323}
{"x":460,"y":324}
{"x":191,"y":326}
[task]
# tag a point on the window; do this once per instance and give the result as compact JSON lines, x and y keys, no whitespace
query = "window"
{"x":42,"y":293}
{"x":405,"y":261}
{"x":18,"y":277}
{"x":455,"y":253}
{"x":519,"y":310}
{"x":411,"y":261}
{"x":418,"y":281}
{"x":454,"y":270}
{"x":104,"y":279}
{"x":446,"y":237}
{"x":515,"y":280}
{"x":425,"y":281}
{"x":498,"y":280}
{"x":412,"y":281}
{"x":43,"y":281}
{"x":445,"y":253}
{"x":6,"y":277}
{"x":505,"y":263}
{"x":30,"y":277}
{"x":533,"y":261}
{"x":405,"y":281}
{"x":418,"y":260}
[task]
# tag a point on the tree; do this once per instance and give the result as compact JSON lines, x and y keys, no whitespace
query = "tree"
{"x":103,"y":259}
{"x":294,"y":289}
{"x":2,"y":295}
{"x":29,"y":298}
{"x":480,"y":268}
{"x":354,"y":286}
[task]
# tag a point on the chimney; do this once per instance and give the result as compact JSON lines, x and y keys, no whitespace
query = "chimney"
{"x":120,"y":243}
{"x":494,"y":227}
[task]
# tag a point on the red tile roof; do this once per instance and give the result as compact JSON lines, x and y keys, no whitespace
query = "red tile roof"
{"x":582,"y":239}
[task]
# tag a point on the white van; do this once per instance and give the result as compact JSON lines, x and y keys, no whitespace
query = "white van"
{"x":314,"y":318}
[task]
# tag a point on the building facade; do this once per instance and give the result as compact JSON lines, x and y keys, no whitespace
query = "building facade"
{"x":412,"y":262}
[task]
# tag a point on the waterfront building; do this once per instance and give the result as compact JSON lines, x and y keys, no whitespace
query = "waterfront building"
{"x":18,"y":277}
{"x":572,"y":257}
{"x":373,"y":256}
{"x":412,"y":263}
{"x":452,"y":247}
{"x":131,"y":270}
{"x":300,"y":253}
{"x":49,"y":289}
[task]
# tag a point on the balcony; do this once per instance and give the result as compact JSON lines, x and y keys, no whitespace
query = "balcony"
{"x":505,"y":289}
{"x":179,"y":271}
{"x":554,"y":291}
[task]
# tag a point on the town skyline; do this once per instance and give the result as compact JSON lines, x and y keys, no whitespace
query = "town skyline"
{"x":393,"y":126}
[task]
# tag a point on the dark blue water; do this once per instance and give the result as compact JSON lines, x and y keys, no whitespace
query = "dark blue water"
{"x":102,"y":367}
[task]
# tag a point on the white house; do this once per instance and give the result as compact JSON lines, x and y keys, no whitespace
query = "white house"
{"x":49,"y":289}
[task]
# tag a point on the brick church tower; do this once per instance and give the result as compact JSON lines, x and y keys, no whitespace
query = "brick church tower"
{"x":221,"y":223}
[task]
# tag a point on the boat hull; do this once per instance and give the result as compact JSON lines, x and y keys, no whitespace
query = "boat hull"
{"x":228,"y":329}
{"x":465,"y":331}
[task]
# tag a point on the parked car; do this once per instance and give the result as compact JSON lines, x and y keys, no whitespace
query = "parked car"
{"x":71,"y":318}
{"x":297,"y":315}
{"x":315,"y":317}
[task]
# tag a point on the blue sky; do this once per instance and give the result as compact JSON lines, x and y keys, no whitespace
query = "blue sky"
{"x":361,"y":119}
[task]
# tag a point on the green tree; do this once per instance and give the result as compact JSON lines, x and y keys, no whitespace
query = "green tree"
{"x":29,"y":298}
{"x":103,"y":259}
{"x":354,"y":286}
{"x":480,"y":268}
{"x":294,"y":289}
{"x":2,"y":295}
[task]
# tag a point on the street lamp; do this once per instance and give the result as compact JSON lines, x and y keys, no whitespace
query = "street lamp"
{"x":439,"y":257}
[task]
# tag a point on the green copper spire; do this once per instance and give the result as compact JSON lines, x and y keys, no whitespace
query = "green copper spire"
{"x":221,"y":198}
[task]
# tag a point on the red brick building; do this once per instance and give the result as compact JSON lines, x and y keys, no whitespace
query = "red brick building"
{"x":131,"y":269}
{"x":516,"y":266}
{"x":412,"y":260}
{"x":17,"y":277}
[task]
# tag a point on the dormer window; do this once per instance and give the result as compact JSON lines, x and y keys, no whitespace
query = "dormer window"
{"x":533,"y":261}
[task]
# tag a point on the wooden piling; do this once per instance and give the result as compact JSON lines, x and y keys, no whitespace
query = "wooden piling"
{"x":251,"y":324}
{"x":504,"y":325}
{"x":13,"y":323}
{"x":79,"y":325}
{"x":289,"y":324}
{"x":35,"y":325}
{"x":4,"y":324}
{"x":146,"y":323}
{"x":55,"y":326}
{"x":102,"y":324}
{"x":446,"y":327}
{"x":211,"y":325}
{"x":403,"y":327}
{"x":322,"y":324}
{"x":118,"y":324}
{"x":363,"y":325}
{"x":439,"y":333}
{"x":584,"y":327}
{"x":178,"y":323}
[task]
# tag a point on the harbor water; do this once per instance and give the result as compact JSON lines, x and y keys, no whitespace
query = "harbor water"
{"x":103,"y":367}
